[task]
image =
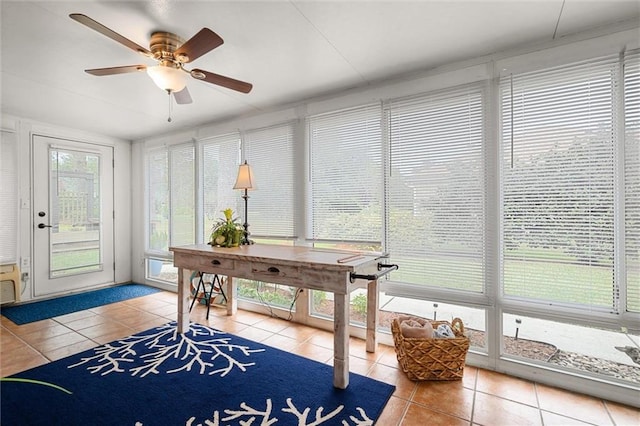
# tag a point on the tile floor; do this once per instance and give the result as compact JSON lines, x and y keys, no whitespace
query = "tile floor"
{"x":482,"y":398}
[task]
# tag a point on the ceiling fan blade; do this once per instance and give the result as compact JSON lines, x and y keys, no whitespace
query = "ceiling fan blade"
{"x":116,"y":70}
{"x":94,"y":25}
{"x":183,"y":96}
{"x":204,"y":41}
{"x":221,"y":80}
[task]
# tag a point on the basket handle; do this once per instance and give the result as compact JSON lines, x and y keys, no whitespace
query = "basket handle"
{"x":458,"y":326}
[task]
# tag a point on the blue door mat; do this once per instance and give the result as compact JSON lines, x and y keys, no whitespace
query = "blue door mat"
{"x":38,"y":311}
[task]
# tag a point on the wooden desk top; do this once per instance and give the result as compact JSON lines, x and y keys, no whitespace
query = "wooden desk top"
{"x":306,"y":257}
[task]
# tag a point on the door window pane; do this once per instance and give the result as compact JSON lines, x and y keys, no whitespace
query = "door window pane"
{"x":75,"y":212}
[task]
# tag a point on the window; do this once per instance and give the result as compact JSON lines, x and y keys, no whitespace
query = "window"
{"x":632,"y":178}
{"x":158,"y":192}
{"x":270,"y":152}
{"x":435,"y":190}
{"x":183,"y":208}
{"x":559,"y":142}
{"x":219,"y":164}
{"x":8,"y":198}
{"x":346,"y":176}
{"x":171,"y":206}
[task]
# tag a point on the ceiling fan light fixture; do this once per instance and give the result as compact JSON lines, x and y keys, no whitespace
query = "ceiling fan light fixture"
{"x":168,"y":78}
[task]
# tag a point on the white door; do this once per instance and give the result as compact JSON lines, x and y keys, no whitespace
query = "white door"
{"x":72,"y":215}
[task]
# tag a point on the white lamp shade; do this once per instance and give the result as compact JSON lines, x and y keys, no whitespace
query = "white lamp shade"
{"x":245,"y":178}
{"x":168,"y":78}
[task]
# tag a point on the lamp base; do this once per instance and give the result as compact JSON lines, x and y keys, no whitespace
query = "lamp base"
{"x":245,"y":239}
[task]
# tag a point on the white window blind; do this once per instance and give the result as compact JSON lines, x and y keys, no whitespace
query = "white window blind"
{"x":158,"y":193}
{"x":219,"y":168}
{"x":183,"y":185}
{"x":270,"y":152}
{"x":346,"y":175}
{"x":436,"y":186}
{"x":632,"y":178}
{"x":558,"y":143}
{"x":8,"y":198}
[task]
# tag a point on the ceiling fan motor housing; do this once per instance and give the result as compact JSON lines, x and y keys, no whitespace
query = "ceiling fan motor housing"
{"x":163,"y":45}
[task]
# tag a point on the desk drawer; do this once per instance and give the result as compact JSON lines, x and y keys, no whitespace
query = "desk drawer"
{"x":207,"y":264}
{"x":279,"y":274}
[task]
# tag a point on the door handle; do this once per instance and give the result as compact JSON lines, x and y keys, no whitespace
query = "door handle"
{"x":42,"y":226}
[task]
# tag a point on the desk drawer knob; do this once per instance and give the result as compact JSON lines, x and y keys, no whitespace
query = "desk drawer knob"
{"x":273,"y":270}
{"x":215,"y":262}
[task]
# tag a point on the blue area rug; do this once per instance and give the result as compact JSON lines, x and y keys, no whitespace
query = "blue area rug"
{"x":205,"y":376}
{"x":37,"y":311}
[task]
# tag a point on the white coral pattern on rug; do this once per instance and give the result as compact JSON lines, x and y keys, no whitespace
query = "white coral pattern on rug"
{"x":247,"y":415}
{"x":210,"y":355}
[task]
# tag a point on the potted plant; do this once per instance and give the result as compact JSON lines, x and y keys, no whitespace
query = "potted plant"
{"x":227,"y":232}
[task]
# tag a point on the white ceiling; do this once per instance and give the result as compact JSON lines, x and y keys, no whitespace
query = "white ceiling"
{"x":289,"y":50}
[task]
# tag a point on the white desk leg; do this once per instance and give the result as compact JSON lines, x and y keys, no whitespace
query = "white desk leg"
{"x":183,"y":302}
{"x":232,"y":296}
{"x":373,"y":305}
{"x":341,"y":341}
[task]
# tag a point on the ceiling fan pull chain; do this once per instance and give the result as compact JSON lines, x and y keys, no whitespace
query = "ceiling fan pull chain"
{"x":170,"y":106}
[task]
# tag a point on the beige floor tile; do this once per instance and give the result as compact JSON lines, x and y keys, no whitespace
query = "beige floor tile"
{"x":107,"y":329}
{"x":281,"y":342}
{"x":300,"y":332}
{"x":31,"y":327}
{"x":274,"y":325}
{"x":316,"y":353}
{"x":404,"y":387}
{"x":511,"y":413}
{"x":445,"y":397}
{"x":36,"y":336}
{"x":552,"y":419}
{"x":20,"y":359}
{"x":66,"y":351}
{"x":56,"y":342}
{"x":418,"y":415}
{"x":622,"y":414}
{"x":322,"y":338}
{"x":393,"y":412}
{"x":74,"y":316}
{"x":573,"y":405}
{"x":255,"y":334}
{"x":507,"y":387}
{"x":87,"y":322}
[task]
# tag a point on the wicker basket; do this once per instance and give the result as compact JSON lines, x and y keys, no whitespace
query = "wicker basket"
{"x":432,"y":359}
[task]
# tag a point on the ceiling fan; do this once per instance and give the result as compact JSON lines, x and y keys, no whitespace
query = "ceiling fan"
{"x":171,"y":52}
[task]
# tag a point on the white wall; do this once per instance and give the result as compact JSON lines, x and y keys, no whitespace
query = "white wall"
{"x":24,"y":128}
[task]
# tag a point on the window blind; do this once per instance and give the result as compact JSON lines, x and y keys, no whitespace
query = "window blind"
{"x":346,"y":175}
{"x":270,"y":152}
{"x":558,"y":150}
{"x":220,"y":157}
{"x":8,"y":198}
{"x":632,"y":178}
{"x":436,"y":186}
{"x":158,"y":187}
{"x":182,"y":173}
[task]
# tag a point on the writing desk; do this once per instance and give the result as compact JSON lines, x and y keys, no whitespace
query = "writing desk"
{"x":303,"y":267}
